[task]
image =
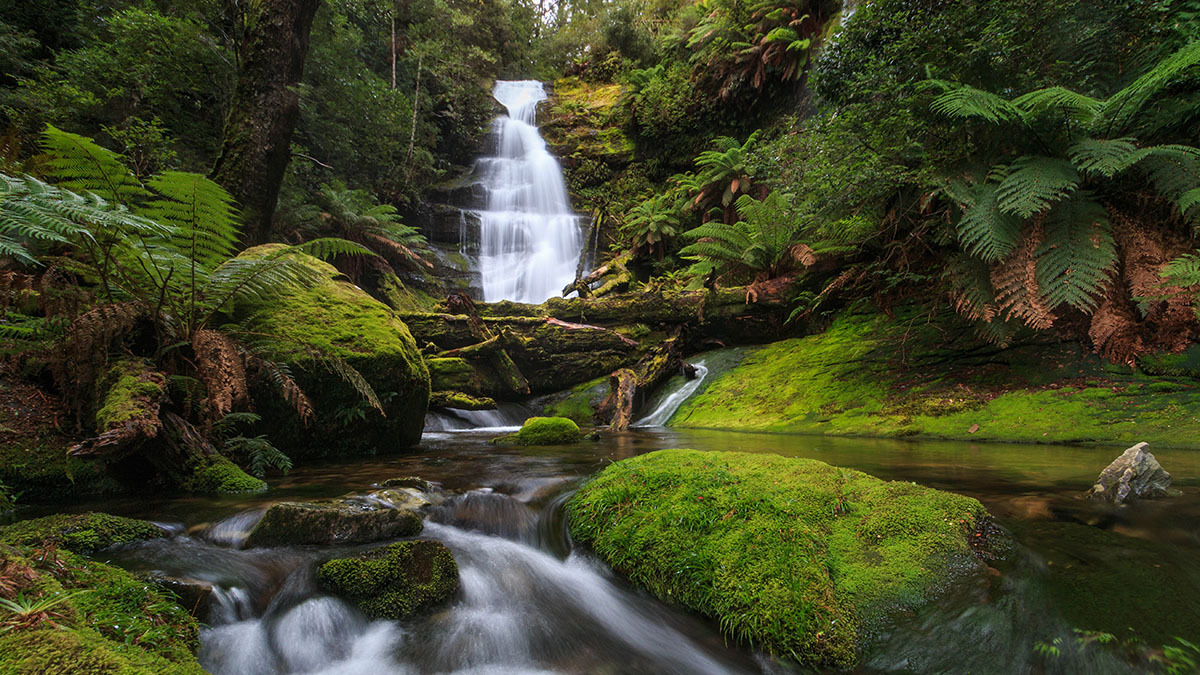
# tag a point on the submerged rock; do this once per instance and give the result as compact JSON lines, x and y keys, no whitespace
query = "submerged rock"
{"x":543,"y":431}
{"x":794,"y":556}
{"x":334,"y":521}
{"x":394,"y":581}
{"x":1136,"y":474}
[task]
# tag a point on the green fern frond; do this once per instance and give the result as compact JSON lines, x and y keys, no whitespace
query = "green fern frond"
{"x":1183,"y":271}
{"x":1076,"y":259}
{"x":1034,"y":183}
{"x":1105,"y":157}
{"x":1074,"y":106}
{"x":350,"y":375}
{"x":328,"y":248}
{"x":984,"y":229}
{"x":965,"y":102}
{"x":78,"y":164}
{"x":205,"y":222}
{"x":1122,"y":109}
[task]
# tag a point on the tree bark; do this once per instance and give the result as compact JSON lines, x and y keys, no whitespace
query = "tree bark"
{"x":264,"y":111}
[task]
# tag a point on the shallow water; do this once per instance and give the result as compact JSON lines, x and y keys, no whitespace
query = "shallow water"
{"x":530,"y":603}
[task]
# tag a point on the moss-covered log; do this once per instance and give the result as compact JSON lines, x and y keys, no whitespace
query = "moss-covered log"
{"x":128,"y":415}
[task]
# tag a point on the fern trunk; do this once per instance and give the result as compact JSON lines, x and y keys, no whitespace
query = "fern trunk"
{"x":264,"y":111}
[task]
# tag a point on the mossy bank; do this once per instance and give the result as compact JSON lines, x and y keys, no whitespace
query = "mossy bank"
{"x":793,"y":556}
{"x":83,"y":616}
{"x":871,"y":375}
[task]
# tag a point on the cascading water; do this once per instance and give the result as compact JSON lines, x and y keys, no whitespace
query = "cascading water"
{"x":529,"y":239}
{"x":666,"y":406}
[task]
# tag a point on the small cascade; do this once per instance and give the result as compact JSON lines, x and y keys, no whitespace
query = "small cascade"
{"x":506,"y":417}
{"x":674,"y":396}
{"x":529,"y":239}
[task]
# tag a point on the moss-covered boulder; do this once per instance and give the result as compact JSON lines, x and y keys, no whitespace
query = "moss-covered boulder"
{"x":95,"y":619}
{"x":81,"y":533}
{"x":394,"y":581}
{"x":578,"y":403}
{"x":336,"y":318}
{"x":334,"y":521}
{"x":790,"y":555}
{"x":543,"y":431}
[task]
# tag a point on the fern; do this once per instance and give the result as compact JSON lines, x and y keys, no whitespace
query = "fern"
{"x":78,"y":164}
{"x":965,"y":102}
{"x":200,"y":212}
{"x":1121,"y":111}
{"x":1034,"y":183}
{"x":985,"y":230}
{"x":258,"y":454}
{"x":1076,"y":107}
{"x":1077,"y":256}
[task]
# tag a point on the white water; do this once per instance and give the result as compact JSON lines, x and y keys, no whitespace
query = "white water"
{"x":671,"y":402}
{"x":530,"y":239}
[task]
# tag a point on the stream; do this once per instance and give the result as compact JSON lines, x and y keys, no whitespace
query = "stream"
{"x":530,"y":602}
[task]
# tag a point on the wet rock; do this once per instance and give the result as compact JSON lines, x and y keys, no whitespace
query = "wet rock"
{"x":335,"y":521}
{"x":1136,"y":474}
{"x":408,"y":482}
{"x":394,"y":581}
{"x":193,"y":595}
{"x":80,"y":533}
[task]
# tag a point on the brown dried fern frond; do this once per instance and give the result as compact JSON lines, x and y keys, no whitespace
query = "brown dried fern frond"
{"x":82,"y":354}
{"x":288,"y":389}
{"x":220,"y":366}
{"x":1015,"y":280}
{"x":1114,"y":330}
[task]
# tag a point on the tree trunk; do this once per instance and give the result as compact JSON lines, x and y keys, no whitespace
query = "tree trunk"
{"x":264,"y":111}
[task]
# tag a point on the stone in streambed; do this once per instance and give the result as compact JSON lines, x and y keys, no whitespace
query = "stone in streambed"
{"x":393,"y":581}
{"x":334,"y":521}
{"x":1136,"y":474}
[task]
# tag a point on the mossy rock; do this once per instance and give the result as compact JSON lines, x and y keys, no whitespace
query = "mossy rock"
{"x":791,"y":555}
{"x":578,"y":403}
{"x":338,"y":319}
{"x":81,"y":533}
{"x":543,"y":431}
{"x":221,"y":476}
{"x":331,"y":522}
{"x":107,"y":621}
{"x":394,"y":581}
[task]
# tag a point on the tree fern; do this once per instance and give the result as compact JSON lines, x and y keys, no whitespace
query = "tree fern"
{"x":964,"y":102}
{"x":201,"y":213}
{"x":986,"y":231}
{"x":1120,"y":112}
{"x":1071,"y":105}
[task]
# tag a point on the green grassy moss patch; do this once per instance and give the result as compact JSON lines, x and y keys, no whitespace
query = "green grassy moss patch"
{"x":790,"y":555}
{"x":871,"y":375}
{"x":81,"y":533}
{"x":543,"y":431}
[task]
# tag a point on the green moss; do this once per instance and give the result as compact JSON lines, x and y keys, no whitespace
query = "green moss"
{"x":461,"y":401}
{"x":81,"y":533}
{"x":394,"y":581}
{"x":221,"y":476}
{"x":336,"y":318}
{"x":868,"y":375}
{"x":543,"y":431}
{"x":130,"y":391}
{"x":332,"y":521}
{"x":110,"y":622}
{"x":404,"y":298}
{"x":790,"y":555}
{"x":578,"y":405}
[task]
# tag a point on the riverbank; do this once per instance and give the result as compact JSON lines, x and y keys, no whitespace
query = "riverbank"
{"x":870,"y":375}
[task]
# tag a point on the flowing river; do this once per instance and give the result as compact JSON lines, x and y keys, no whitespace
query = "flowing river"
{"x":530,"y":602}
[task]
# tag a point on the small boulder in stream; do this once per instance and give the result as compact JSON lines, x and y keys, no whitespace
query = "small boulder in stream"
{"x":1136,"y":474}
{"x":393,"y":581}
{"x":336,"y":521}
{"x":543,"y":431}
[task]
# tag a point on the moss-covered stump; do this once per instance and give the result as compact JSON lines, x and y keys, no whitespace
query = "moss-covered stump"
{"x":336,"y":318}
{"x":94,"y":620}
{"x":335,"y":521}
{"x":543,"y":431}
{"x":875,"y":376}
{"x":790,"y":555}
{"x":81,"y":533}
{"x":33,"y":449}
{"x":394,"y":581}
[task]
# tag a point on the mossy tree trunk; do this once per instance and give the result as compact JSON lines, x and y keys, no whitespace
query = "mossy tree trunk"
{"x":265,"y":108}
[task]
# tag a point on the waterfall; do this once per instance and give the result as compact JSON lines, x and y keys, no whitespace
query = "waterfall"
{"x":530,"y":240}
{"x":669,"y":403}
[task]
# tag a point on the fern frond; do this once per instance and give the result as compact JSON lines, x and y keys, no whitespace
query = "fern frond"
{"x":1105,"y":157}
{"x":328,"y":248}
{"x":966,"y":102}
{"x":1120,"y":111}
{"x":202,"y":214}
{"x":988,"y":232}
{"x":1183,"y":271}
{"x":1034,"y":183}
{"x":1077,"y":256}
{"x":350,"y":375}
{"x":78,"y":164}
{"x":1075,"y":106}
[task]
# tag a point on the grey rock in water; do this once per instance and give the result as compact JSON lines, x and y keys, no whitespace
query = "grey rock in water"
{"x":1136,"y":474}
{"x":335,"y":521}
